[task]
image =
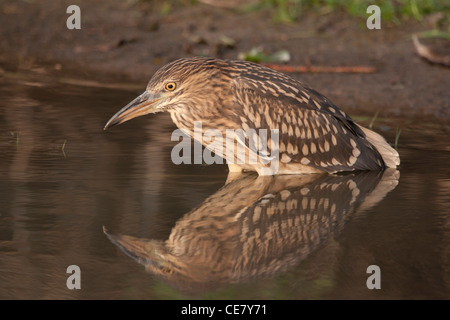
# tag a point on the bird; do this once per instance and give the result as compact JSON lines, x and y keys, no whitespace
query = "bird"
{"x":256,"y":227}
{"x":308,"y":132}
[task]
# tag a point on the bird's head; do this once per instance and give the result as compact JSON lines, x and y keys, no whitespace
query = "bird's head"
{"x":178,"y":86}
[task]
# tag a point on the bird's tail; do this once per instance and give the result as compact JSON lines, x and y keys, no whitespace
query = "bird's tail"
{"x":390,"y":155}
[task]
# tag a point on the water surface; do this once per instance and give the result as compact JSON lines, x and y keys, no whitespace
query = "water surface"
{"x":182,"y":231}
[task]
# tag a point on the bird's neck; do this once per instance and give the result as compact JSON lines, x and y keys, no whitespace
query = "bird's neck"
{"x":188,"y":120}
{"x":183,"y":121}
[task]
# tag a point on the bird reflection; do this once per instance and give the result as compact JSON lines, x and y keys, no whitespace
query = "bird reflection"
{"x":257,"y":227}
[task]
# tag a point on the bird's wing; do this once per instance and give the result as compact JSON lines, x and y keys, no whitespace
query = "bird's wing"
{"x":312,"y":130}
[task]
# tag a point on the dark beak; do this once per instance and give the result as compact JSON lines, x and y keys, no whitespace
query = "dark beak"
{"x":142,"y":105}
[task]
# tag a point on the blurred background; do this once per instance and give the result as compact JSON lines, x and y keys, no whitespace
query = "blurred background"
{"x":131,"y":39}
{"x":62,"y":178}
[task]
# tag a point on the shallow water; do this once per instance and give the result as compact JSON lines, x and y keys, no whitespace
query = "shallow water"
{"x":63,"y":179}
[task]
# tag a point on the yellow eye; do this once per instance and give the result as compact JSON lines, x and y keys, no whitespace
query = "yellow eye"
{"x":170,"y":86}
{"x":167,"y":270}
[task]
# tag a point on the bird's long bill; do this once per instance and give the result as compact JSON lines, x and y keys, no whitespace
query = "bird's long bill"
{"x":142,"y":105}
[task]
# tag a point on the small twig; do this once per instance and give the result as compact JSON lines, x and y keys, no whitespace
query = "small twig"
{"x":373,"y":120}
{"x":397,"y":137}
{"x":63,"y":147}
{"x":321,"y":69}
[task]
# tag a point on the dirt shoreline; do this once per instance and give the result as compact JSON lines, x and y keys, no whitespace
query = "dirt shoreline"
{"x":127,"y":41}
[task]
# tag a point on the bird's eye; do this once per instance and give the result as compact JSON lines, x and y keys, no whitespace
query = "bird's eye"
{"x":167,"y":270}
{"x":170,"y":86}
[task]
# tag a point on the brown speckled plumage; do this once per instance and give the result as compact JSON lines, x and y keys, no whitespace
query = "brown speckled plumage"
{"x":314,"y":134}
{"x":256,"y":227}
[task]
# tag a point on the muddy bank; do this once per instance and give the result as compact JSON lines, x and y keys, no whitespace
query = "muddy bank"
{"x":128,"y":41}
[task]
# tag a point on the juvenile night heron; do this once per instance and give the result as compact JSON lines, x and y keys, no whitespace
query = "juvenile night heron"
{"x":256,"y":227}
{"x":314,"y":135}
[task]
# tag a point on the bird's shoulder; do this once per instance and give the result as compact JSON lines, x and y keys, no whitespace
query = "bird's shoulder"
{"x":312,"y":129}
{"x":281,"y":94}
